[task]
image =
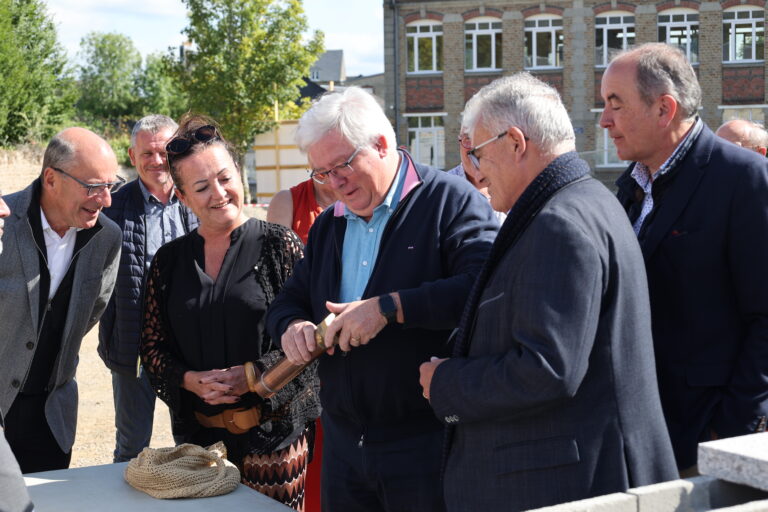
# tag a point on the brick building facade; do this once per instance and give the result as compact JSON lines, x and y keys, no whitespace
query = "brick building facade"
{"x":438,"y":53}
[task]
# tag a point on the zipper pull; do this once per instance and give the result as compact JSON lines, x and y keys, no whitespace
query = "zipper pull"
{"x":360,"y":442}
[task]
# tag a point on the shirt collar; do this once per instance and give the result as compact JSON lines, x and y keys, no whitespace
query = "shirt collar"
{"x":148,"y":196}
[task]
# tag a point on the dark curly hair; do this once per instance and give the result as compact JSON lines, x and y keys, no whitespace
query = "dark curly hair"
{"x":188,"y":123}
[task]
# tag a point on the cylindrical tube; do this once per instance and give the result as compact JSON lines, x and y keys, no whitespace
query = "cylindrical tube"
{"x":284,"y":371}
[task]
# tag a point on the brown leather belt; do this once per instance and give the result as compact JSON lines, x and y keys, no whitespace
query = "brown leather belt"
{"x":237,"y":421}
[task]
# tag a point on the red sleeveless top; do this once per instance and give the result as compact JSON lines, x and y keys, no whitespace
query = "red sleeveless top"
{"x":305,"y":208}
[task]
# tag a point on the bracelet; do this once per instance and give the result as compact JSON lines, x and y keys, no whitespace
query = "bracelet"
{"x":250,"y":376}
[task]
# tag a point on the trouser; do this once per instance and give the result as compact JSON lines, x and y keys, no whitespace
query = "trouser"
{"x":30,"y":437}
{"x":134,"y":401}
{"x":399,"y":475}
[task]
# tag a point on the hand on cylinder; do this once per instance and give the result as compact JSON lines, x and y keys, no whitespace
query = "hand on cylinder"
{"x":298,"y":341}
{"x":356,"y":323}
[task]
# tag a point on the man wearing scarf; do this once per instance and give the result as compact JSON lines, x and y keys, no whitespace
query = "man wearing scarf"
{"x":550,"y":395}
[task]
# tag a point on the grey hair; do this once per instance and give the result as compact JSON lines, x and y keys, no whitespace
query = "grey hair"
{"x":523,"y":101}
{"x":664,"y":69}
{"x":152,"y":123}
{"x":58,"y":153}
{"x":353,"y":113}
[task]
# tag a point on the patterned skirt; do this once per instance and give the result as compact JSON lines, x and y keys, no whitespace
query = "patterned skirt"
{"x":281,"y":475}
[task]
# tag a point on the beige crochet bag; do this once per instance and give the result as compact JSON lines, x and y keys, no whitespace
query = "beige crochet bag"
{"x":186,"y":471}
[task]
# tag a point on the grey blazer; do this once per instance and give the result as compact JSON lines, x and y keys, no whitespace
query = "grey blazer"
{"x":92,"y":285}
{"x":557,"y":398}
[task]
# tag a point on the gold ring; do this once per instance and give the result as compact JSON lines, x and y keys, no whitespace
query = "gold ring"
{"x":355,"y":340}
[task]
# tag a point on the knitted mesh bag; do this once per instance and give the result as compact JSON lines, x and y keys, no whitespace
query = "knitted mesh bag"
{"x":185,"y":471}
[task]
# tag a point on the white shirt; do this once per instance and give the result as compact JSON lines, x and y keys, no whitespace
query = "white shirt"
{"x":59,"y":250}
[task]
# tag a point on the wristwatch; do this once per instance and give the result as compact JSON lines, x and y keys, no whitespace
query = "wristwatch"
{"x":388,"y":308}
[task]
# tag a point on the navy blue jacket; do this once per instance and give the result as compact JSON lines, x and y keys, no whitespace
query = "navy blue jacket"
{"x":705,"y":245}
{"x":121,"y":322}
{"x":431,"y":250}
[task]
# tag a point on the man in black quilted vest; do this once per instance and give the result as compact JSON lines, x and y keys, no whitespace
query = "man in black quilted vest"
{"x":150,"y":215}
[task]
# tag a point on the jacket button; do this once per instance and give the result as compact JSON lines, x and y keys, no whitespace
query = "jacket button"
{"x":30,"y":345}
{"x":15,"y":383}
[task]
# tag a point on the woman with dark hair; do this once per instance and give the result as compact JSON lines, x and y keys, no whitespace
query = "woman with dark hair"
{"x":206,"y":298}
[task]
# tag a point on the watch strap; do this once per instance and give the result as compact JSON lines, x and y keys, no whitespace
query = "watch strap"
{"x":388,"y":308}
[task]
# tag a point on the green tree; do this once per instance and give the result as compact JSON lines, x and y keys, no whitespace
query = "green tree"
{"x":36,"y":91}
{"x":249,"y":54}
{"x":158,"y":88}
{"x":108,"y":76}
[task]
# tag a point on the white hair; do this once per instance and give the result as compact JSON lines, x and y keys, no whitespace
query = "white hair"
{"x":352,"y":113}
{"x":523,"y":101}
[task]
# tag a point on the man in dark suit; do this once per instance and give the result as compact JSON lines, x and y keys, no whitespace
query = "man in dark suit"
{"x":551,"y":393}
{"x":699,"y":207}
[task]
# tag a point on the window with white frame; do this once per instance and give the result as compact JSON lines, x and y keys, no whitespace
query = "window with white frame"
{"x":743,"y":38}
{"x":426,"y":139}
{"x":680,"y":27}
{"x":614,"y":31}
{"x":543,"y":41}
{"x":482,"y":44}
{"x":605,"y":154}
{"x":424,"y":41}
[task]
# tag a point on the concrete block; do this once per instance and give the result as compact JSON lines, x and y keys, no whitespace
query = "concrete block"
{"x":755,"y":506}
{"x":664,"y":497}
{"x":617,"y":502}
{"x":741,"y":460}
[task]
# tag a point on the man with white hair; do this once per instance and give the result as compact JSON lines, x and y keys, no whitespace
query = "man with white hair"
{"x":394,"y":259}
{"x":745,"y":134}
{"x":550,"y":395}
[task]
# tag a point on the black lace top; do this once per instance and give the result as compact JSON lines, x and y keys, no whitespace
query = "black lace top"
{"x":194,"y":323}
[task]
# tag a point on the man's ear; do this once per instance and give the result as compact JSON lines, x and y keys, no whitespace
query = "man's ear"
{"x":762,"y":151}
{"x":517,"y":137}
{"x":382,"y":146}
{"x":668,"y":109}
{"x":132,"y":156}
{"x":47,"y":179}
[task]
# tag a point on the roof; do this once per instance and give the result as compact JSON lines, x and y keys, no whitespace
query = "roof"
{"x":329,"y":67}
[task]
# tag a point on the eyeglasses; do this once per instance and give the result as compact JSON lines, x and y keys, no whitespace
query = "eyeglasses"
{"x":472,"y":152}
{"x":94,"y":188}
{"x":181,"y":145}
{"x":342,"y":170}
{"x":465,"y":141}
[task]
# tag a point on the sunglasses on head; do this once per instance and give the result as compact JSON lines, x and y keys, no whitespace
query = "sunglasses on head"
{"x":180,"y":145}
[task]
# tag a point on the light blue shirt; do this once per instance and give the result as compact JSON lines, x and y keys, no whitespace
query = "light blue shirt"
{"x":362,"y":240}
{"x":163,"y":222}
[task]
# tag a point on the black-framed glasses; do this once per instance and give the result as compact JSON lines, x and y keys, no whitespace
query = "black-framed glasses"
{"x":342,"y":170}
{"x":181,"y":145}
{"x":473,"y":156}
{"x":94,"y":188}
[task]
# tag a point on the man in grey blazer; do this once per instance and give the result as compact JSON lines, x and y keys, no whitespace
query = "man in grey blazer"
{"x":551,"y":393}
{"x":13,"y":493}
{"x":56,"y":277}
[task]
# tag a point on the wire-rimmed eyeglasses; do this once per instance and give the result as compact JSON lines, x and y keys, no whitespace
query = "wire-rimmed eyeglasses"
{"x":340,"y":171}
{"x":473,"y":156}
{"x":94,"y":188}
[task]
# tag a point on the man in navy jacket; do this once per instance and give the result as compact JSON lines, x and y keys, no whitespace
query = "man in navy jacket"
{"x":699,"y":206}
{"x":394,"y":259}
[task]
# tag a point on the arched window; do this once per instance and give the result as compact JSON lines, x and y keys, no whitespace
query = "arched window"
{"x":680,"y":27}
{"x":482,"y":44}
{"x":543,"y":41}
{"x":743,"y":34}
{"x":614,"y":31}
{"x":424,"y":40}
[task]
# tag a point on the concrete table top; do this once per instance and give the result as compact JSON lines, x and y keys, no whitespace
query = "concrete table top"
{"x":104,"y":488}
{"x":741,"y":460}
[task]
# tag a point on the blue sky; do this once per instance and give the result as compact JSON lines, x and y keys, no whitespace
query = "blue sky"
{"x":354,"y":26}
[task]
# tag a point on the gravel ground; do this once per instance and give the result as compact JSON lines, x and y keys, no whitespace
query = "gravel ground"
{"x":95,"y":440}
